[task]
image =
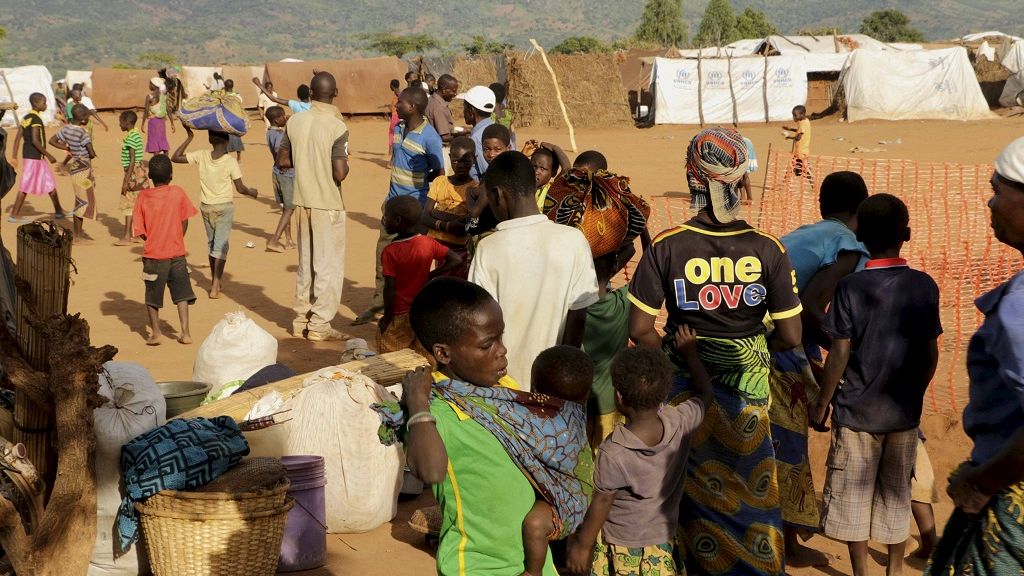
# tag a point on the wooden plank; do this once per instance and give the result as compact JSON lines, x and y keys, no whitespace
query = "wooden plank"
{"x":386,"y":370}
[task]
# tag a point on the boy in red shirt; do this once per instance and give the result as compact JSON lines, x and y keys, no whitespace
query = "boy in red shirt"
{"x":406,"y":264}
{"x":161,"y":219}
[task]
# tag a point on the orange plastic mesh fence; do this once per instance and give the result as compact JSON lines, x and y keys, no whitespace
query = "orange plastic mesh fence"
{"x":951,"y":240}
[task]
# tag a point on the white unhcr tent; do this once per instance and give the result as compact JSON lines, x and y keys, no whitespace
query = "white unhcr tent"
{"x":23,"y":81}
{"x":721,"y":91}
{"x":920,"y":85}
{"x":1014,"y":62}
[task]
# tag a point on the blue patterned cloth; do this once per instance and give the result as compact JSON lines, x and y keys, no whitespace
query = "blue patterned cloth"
{"x":182,"y":454}
{"x":544,"y":435}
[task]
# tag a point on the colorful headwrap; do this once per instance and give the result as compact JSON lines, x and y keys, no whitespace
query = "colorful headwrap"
{"x":716,"y":160}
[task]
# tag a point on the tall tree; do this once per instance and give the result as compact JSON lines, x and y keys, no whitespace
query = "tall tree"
{"x":718,"y":27}
{"x":890,"y":26}
{"x":579,"y":45}
{"x":398,"y":46}
{"x":480,"y":46}
{"x":662,"y":23}
{"x":754,"y":24}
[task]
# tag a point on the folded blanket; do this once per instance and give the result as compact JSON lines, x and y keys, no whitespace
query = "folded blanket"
{"x":184,"y":453}
{"x":218,"y":111}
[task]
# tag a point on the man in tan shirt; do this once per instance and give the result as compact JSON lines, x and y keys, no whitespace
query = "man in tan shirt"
{"x":316,"y":145}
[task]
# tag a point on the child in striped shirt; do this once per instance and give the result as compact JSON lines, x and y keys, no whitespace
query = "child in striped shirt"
{"x":131,"y":162}
{"x":75,"y":138}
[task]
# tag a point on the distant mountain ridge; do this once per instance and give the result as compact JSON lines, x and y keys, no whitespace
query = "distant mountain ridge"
{"x":77,"y":34}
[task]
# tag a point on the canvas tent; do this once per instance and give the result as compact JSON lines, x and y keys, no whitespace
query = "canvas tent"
{"x":1014,"y":62}
{"x":118,"y":89}
{"x":23,"y":81}
{"x":920,"y":85}
{"x":820,"y":53}
{"x":79,"y":77}
{"x":720,"y":91}
{"x":362,"y":84}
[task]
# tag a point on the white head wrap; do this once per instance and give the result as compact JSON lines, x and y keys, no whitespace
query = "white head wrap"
{"x":1010,"y":164}
{"x":159,"y":83}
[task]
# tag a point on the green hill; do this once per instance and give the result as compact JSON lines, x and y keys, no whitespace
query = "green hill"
{"x":64,"y":34}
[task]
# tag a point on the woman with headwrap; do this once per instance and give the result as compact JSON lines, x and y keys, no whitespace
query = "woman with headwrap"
{"x":721,"y":276}
{"x":985,"y":535}
{"x":176,"y":94}
{"x":154,"y":117}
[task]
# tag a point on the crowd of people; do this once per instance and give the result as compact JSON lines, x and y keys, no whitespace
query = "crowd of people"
{"x":557,"y":424}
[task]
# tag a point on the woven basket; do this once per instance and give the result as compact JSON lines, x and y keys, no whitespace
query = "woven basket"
{"x":225,"y":545}
{"x":219,"y":503}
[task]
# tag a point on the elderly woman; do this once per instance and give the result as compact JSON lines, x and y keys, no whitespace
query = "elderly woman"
{"x":985,"y":535}
{"x":721,"y":276}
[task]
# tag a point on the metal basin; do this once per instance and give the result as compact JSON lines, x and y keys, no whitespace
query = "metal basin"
{"x":182,"y":395}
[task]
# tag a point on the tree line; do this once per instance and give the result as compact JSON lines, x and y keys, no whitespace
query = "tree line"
{"x":661,"y":25}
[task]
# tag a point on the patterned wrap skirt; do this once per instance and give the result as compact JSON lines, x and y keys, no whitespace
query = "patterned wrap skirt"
{"x":793,"y":389}
{"x":990,"y":543}
{"x":730,"y":516}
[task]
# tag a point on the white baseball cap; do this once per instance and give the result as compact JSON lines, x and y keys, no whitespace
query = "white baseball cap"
{"x":479,"y":97}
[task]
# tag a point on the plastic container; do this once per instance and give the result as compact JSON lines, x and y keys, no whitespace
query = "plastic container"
{"x":305,"y":531}
{"x":182,"y":395}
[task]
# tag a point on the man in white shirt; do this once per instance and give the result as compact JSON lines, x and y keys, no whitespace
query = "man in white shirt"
{"x":541,"y":273}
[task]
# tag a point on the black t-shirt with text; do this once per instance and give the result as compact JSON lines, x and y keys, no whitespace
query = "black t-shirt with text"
{"x":890,"y":314}
{"x":719,"y":280}
{"x":28,"y":150}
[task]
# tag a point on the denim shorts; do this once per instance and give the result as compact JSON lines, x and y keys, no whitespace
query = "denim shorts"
{"x":217,"y":219}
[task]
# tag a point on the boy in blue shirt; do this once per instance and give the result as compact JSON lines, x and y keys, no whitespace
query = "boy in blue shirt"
{"x":884,"y":324}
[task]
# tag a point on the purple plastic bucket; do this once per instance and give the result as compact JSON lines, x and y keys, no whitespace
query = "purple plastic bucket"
{"x":305,"y":531}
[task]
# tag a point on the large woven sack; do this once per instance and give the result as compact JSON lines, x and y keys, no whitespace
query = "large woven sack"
{"x":133,"y":406}
{"x":331,"y":417}
{"x":599,"y":204}
{"x":217,"y":111}
{"x":236,"y":349}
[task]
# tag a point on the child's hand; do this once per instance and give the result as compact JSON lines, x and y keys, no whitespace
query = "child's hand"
{"x":578,"y":558}
{"x":416,"y":389}
{"x":51,"y":158}
{"x":816,"y":415}
{"x":251,"y":192}
{"x":686,"y":340}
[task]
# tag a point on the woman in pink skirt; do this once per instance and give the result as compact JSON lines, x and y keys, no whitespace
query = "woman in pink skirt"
{"x":36,"y":175}
{"x":154,"y":117}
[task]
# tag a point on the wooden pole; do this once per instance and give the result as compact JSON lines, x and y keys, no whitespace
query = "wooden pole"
{"x":700,"y":92}
{"x":558,"y":93}
{"x":732,"y":94}
{"x":764,"y":85}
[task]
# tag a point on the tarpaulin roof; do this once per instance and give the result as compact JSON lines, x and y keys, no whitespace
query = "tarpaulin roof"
{"x":114,"y":88}
{"x":79,"y":77}
{"x":362,"y":84}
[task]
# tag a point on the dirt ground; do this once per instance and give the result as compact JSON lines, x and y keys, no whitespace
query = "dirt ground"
{"x":108,"y":289}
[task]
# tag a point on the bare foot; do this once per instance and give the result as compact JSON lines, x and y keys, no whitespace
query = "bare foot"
{"x":123,"y":242}
{"x":214,"y":294}
{"x":83,"y":241}
{"x":800,"y":556}
{"x":185,"y":339}
{"x":291,"y":245}
{"x":275,"y":247}
{"x":155,"y":340}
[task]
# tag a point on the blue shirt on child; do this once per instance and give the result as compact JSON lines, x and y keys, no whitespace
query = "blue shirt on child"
{"x":415,"y":155}
{"x":274,"y":138}
{"x":812,"y":247}
{"x":890,"y":314}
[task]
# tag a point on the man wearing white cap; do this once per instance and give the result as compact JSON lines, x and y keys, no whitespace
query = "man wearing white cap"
{"x":479,"y":105}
